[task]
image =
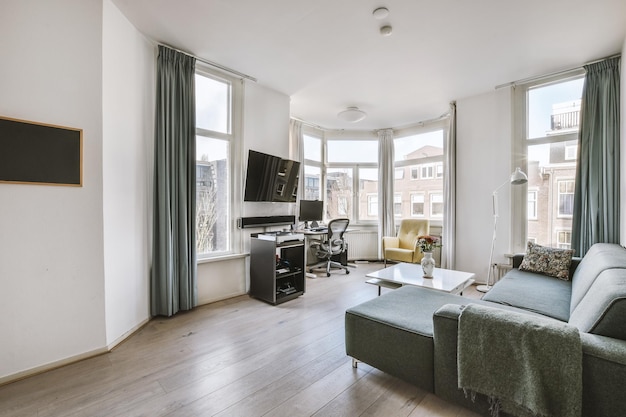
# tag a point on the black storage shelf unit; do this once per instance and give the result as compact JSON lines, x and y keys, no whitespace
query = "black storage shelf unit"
{"x":266,"y":259}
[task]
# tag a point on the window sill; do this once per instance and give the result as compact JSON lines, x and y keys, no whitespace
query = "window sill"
{"x":221,"y":258}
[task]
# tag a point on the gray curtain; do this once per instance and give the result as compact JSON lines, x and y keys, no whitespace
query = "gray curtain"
{"x":386,"y":223}
{"x":449,"y":192}
{"x":173,"y":278}
{"x":596,"y":198}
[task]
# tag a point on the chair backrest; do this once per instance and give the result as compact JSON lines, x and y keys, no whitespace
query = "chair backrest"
{"x":336,"y":229}
{"x":409,"y":231}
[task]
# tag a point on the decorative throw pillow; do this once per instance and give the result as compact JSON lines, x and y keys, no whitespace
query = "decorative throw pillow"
{"x":547,"y":261}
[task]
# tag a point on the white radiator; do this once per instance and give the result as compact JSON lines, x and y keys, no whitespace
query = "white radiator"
{"x":499,"y":270}
{"x":362,"y":245}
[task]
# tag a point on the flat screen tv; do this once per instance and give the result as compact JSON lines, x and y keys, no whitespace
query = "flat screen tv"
{"x":270,"y":178}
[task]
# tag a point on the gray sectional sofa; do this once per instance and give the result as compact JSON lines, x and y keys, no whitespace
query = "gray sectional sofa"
{"x":412,"y":332}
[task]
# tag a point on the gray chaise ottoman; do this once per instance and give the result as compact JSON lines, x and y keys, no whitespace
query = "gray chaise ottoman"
{"x":394,"y":332}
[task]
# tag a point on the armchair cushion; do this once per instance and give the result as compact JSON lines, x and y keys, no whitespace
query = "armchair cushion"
{"x":399,"y":254}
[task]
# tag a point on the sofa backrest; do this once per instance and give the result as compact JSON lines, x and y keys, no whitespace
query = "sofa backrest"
{"x":600,"y":257}
{"x":598,"y":303}
{"x":602,"y":310}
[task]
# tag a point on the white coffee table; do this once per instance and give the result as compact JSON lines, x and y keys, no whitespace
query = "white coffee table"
{"x":445,"y":280}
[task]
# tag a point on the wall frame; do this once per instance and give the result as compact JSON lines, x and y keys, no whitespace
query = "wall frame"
{"x":39,"y":153}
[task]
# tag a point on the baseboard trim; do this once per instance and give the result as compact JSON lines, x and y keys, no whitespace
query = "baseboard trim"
{"x":72,"y":359}
{"x":50,"y":366}
{"x":127,"y":335}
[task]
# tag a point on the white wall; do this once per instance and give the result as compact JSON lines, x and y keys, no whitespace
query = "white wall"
{"x":51,"y":239}
{"x":128,"y":132}
{"x":483,"y":163}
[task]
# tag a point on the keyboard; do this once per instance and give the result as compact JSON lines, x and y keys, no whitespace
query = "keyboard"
{"x":319,"y":229}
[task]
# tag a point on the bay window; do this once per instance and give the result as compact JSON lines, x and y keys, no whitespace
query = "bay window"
{"x":346,"y":170}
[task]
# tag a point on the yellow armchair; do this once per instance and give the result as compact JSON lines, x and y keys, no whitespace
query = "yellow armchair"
{"x":403,"y":248}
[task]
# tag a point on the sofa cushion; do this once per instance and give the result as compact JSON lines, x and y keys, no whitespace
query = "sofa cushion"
{"x":533,"y":292}
{"x":547,"y":261}
{"x":598,"y":258}
{"x":602,"y":310}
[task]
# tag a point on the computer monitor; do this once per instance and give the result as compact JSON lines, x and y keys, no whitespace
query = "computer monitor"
{"x":311,"y":211}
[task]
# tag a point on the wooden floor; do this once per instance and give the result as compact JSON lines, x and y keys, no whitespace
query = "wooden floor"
{"x":239,"y":357}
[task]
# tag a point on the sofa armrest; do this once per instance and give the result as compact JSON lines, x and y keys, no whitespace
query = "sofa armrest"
{"x":604,"y":368}
{"x":604,"y":375}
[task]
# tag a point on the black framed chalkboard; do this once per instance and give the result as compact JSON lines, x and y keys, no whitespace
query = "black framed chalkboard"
{"x":40,"y":153}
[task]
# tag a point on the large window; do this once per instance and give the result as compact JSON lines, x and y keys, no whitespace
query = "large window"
{"x":549,"y":114}
{"x":214,"y":141}
{"x":421,"y":156}
{"x":347,"y":171}
{"x":352,"y":179}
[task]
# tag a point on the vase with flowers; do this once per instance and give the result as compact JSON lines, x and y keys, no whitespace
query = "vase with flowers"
{"x":427,"y":244}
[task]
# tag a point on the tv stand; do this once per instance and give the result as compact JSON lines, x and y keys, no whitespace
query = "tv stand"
{"x":276,"y":269}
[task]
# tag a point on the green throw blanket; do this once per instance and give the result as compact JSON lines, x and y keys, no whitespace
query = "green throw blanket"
{"x":526,"y":365}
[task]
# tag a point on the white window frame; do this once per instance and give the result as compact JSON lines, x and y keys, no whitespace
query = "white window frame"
{"x":431,"y":201}
{"x":354,"y":205}
{"x":571,"y":152}
{"x":233,"y":137}
{"x":439,"y":170}
{"x":372,"y":200}
{"x":560,"y":244}
{"x":559,"y":193}
{"x":427,"y":171}
{"x":533,"y":215}
{"x":413,"y":164}
{"x":397,"y":199}
{"x":519,"y":204}
{"x":423,"y":198}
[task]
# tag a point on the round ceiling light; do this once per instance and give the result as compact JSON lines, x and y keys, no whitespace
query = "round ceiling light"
{"x":380,"y":13}
{"x":352,"y":115}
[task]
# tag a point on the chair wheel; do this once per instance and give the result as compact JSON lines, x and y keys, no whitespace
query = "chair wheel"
{"x":347,"y":272}
{"x":328,"y":274}
{"x":311,"y":270}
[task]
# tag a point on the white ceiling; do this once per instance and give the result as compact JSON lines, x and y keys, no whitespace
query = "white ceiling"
{"x":328,"y":54}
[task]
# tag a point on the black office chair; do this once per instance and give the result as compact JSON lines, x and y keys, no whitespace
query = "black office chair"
{"x":333,"y":245}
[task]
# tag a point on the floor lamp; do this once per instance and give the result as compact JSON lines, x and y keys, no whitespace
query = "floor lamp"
{"x":517,"y":178}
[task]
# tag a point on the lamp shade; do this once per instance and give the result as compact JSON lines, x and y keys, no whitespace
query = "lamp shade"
{"x":352,"y":115}
{"x":518,"y":177}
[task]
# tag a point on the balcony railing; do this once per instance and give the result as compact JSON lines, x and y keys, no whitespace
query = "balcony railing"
{"x":567,"y":120}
